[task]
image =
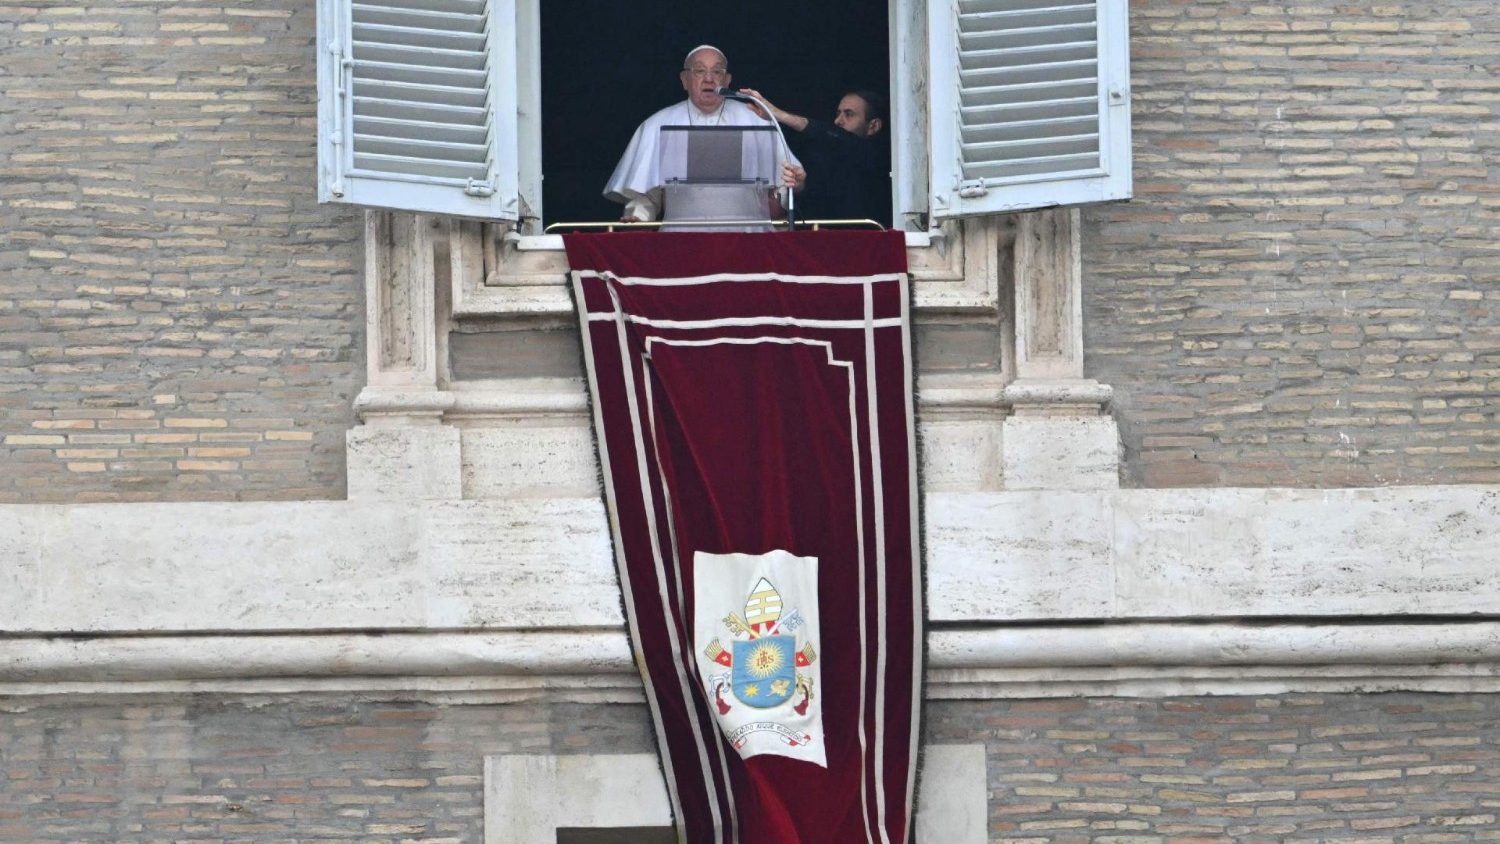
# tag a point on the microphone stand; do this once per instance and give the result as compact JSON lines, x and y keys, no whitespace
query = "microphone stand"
{"x":791,"y":192}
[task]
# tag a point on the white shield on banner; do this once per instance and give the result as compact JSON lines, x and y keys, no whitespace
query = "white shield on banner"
{"x":756,"y":635}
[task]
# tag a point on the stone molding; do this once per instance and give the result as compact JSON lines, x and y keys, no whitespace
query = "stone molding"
{"x":1058,"y":434}
{"x":400,"y":294}
{"x":545,"y":562}
{"x":1130,"y":658}
{"x":1049,"y":295}
{"x":498,"y":273}
{"x":1070,"y":396}
{"x":543,"y":397}
{"x":407,"y":405}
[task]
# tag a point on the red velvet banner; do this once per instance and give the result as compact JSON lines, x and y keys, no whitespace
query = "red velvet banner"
{"x":753,"y":405}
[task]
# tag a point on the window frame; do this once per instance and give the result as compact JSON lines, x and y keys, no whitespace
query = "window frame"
{"x":338,"y":179}
{"x":951,"y":196}
{"x":923,"y":81}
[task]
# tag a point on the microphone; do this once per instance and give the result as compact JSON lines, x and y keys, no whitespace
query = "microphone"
{"x":736,"y":94}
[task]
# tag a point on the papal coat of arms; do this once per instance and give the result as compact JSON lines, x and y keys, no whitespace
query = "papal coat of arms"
{"x":765,"y":656}
{"x":759,"y":663}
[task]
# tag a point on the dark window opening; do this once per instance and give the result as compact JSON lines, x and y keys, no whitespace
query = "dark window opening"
{"x":607,"y":65}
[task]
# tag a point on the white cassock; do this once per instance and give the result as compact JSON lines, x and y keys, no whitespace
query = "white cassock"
{"x":637,"y":180}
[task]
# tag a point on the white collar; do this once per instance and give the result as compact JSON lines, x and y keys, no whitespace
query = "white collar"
{"x":696,"y":117}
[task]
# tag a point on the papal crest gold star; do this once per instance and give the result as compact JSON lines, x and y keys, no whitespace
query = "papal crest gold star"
{"x":752,"y":690}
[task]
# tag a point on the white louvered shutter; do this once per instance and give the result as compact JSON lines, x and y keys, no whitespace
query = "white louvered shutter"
{"x":417,"y":105}
{"x":1030,"y":104}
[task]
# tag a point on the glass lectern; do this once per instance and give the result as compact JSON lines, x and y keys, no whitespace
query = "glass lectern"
{"x":717,"y":178}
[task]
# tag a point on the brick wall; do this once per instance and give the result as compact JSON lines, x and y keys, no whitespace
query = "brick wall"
{"x":314,"y":768}
{"x":179,"y":319}
{"x":1374,"y":768}
{"x":1304,"y":291}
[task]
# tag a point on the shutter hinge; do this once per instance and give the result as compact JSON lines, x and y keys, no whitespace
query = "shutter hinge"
{"x":478,"y":188}
{"x":972,"y":189}
{"x":341,"y":85}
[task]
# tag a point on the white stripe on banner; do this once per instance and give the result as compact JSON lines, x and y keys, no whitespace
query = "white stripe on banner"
{"x":754,"y":341}
{"x":916,"y":565}
{"x":741,"y":341}
{"x":649,"y":503}
{"x":620,"y":565}
{"x":878,"y":492}
{"x":666,"y":492}
{"x":864,"y":634}
{"x":744,"y":322}
{"x":859,"y":526}
{"x":687,"y":281}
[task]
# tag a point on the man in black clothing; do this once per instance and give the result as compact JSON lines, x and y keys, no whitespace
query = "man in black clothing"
{"x":848,"y":175}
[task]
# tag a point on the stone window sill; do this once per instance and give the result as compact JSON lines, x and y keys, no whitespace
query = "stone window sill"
{"x":496,"y":273}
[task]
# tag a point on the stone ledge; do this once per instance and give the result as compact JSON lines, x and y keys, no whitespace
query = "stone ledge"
{"x":954,"y":272}
{"x":1079,"y":395}
{"x":962,"y":663}
{"x":545,"y":563}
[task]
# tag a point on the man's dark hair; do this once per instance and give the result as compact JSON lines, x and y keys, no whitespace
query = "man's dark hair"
{"x":875,"y":107}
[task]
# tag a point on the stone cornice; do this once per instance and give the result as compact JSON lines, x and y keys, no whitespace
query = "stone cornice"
{"x":1128,"y":658}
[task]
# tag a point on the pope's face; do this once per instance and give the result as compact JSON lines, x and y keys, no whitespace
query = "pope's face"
{"x":853,"y":116}
{"x":706,"y":71}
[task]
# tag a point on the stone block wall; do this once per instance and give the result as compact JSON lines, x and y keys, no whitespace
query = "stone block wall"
{"x":179,"y":318}
{"x":1304,"y":290}
{"x":1375,"y":768}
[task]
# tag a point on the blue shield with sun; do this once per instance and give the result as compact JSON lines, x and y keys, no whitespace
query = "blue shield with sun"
{"x":765,"y":670}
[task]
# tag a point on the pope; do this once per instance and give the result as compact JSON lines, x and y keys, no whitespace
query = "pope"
{"x":637,"y":181}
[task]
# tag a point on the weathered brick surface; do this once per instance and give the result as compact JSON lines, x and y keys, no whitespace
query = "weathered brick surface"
{"x":1304,"y":290}
{"x":179,"y":318}
{"x":308,"y":769}
{"x":1402,"y":768}
{"x":1392,"y":768}
{"x":1302,"y":293}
